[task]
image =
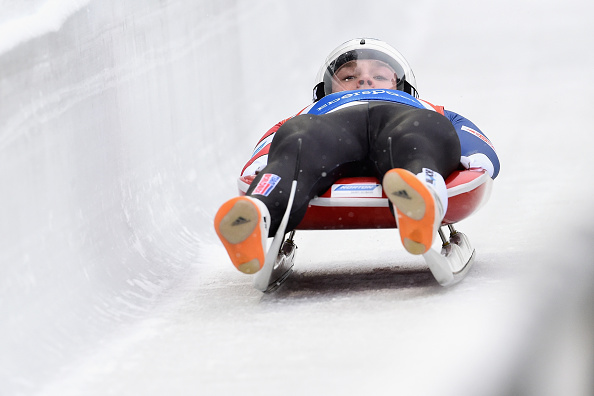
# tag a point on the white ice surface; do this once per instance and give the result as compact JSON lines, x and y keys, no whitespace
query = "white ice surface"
{"x":123,"y":125}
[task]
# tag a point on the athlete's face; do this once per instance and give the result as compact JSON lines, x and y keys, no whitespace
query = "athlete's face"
{"x":364,"y":74}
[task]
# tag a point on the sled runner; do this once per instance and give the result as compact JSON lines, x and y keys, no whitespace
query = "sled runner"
{"x":360,"y":203}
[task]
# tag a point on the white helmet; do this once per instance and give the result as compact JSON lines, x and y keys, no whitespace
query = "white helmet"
{"x":365,"y":48}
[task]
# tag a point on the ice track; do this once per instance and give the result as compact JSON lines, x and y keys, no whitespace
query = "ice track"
{"x":123,"y":125}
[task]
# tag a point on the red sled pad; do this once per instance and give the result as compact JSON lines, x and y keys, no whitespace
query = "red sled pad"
{"x":360,"y":202}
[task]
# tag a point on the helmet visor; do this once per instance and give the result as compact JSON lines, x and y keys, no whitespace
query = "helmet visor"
{"x":363,"y":74}
{"x":362,"y":69}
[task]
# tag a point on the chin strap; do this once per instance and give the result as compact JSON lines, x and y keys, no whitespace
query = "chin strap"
{"x":318,"y":92}
{"x":406,"y":87}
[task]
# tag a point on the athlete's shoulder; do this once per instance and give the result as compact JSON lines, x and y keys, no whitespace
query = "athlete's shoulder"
{"x":259,"y":156}
{"x":439,"y":109}
{"x":276,"y":126}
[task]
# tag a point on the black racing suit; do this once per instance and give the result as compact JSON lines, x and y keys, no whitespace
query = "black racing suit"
{"x":365,"y":139}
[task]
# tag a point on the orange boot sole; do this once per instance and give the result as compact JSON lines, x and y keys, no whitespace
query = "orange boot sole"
{"x":237,"y":223}
{"x":415,"y":209}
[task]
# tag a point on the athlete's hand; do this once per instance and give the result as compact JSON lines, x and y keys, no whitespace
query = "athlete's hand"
{"x":478,"y":161}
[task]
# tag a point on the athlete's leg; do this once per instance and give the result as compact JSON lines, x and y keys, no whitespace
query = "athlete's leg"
{"x":414,"y":149}
{"x":332,"y":145}
{"x":412,"y":139}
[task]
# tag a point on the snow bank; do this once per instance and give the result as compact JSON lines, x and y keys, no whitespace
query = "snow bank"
{"x":23,"y":22}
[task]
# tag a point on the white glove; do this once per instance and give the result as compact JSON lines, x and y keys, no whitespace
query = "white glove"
{"x":478,"y":160}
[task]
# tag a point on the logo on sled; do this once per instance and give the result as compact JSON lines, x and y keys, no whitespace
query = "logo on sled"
{"x":357,"y":190}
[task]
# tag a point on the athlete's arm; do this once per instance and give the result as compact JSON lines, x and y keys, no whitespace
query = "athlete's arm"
{"x":476,"y":147}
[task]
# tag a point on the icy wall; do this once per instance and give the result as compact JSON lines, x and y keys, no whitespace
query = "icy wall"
{"x":108,"y":133}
